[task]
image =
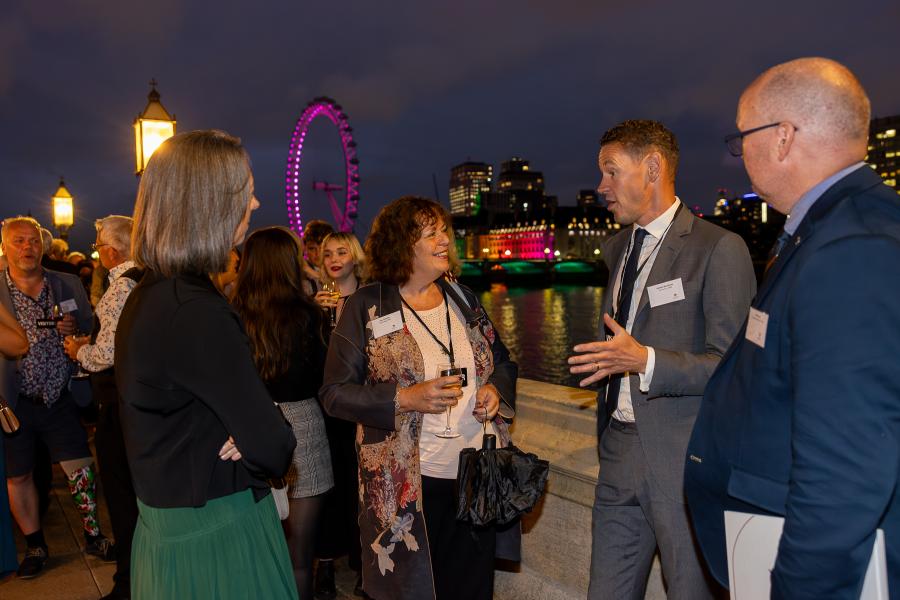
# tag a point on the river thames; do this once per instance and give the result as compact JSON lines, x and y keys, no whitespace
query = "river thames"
{"x":540,"y":326}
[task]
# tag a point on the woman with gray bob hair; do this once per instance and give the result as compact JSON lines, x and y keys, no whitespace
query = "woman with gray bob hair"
{"x":191,"y":204}
{"x":201,"y":432}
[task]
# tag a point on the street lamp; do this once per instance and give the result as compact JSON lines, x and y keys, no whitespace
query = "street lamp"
{"x":151,"y":128}
{"x":63,"y":210}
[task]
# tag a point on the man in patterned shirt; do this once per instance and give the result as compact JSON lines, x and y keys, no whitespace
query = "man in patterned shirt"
{"x":114,"y":248}
{"x":37,"y":387}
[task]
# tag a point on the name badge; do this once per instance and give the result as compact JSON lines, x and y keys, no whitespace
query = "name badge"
{"x":45,"y":323}
{"x":665,"y":293}
{"x":757,"y":324}
{"x":68,"y":306}
{"x":387,"y":324}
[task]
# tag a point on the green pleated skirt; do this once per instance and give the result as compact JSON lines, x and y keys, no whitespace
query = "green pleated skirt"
{"x":232,"y":548}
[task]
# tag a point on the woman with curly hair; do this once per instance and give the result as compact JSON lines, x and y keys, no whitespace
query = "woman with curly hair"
{"x":285,"y":330}
{"x":383,"y":371}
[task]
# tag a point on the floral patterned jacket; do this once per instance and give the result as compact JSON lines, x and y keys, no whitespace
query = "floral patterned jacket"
{"x":362,"y":374}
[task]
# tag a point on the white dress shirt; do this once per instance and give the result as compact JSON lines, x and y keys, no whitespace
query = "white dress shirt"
{"x":656,"y":231}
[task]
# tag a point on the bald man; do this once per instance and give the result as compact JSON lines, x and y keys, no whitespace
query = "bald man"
{"x":802,"y":417}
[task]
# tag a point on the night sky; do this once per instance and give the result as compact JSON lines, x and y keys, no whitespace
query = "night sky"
{"x":426,"y":85}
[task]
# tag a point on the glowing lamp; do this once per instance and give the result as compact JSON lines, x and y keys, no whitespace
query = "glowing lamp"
{"x":63,"y":210}
{"x":151,"y":128}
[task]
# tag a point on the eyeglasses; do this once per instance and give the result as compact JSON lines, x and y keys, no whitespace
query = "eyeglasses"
{"x":735,"y":141}
{"x":96,"y":246}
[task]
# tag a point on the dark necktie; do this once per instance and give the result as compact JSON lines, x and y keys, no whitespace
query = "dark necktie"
{"x":629,"y":276}
{"x":777,"y":247}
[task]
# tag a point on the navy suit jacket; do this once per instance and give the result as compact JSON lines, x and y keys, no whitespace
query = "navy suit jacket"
{"x":808,"y":427}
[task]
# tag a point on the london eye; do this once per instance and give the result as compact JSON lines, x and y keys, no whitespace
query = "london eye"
{"x":343,"y":210}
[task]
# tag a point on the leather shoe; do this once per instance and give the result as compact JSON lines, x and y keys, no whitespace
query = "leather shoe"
{"x":324,"y":588}
{"x":33,"y":562}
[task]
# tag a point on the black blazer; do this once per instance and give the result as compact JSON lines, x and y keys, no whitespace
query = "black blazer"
{"x":187,"y":380}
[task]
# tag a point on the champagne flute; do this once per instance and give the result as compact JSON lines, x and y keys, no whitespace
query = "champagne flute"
{"x":446,"y":370}
{"x":331,"y":287}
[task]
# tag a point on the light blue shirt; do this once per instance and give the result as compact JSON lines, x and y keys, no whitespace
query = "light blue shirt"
{"x":809,"y":198}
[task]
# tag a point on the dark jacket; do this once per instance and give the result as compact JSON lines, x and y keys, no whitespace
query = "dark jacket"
{"x":808,"y":426}
{"x":187,"y":381}
{"x":64,"y":287}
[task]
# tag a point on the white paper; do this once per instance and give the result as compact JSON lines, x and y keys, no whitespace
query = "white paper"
{"x":757,"y":324}
{"x":752,"y":546}
{"x":665,"y":293}
{"x":387,"y":324}
{"x":68,"y":306}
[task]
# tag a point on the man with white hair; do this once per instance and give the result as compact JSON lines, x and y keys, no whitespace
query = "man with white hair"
{"x":802,"y":417}
{"x":96,"y":354}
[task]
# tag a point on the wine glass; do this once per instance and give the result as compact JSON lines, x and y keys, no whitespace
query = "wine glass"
{"x":446,"y":370}
{"x":331,"y":287}
{"x":58,"y":314}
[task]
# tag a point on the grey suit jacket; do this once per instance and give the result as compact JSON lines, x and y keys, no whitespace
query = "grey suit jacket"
{"x":689,"y":336}
{"x":64,"y":286}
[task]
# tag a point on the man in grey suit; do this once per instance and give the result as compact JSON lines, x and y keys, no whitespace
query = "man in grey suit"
{"x":679,"y":290}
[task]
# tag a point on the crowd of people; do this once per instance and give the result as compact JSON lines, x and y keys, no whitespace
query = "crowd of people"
{"x":267,"y":403}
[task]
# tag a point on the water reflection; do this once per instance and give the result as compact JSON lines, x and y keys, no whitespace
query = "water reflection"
{"x":540,"y":326}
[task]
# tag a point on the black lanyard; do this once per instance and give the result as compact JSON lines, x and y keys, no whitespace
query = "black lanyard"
{"x":447,"y":351}
{"x":646,"y":260}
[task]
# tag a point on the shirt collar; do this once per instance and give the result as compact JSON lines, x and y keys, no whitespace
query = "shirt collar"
{"x":806,"y":201}
{"x":657,"y":227}
{"x":117,"y":270}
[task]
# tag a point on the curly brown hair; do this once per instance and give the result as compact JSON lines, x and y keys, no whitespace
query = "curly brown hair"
{"x":641,"y":136}
{"x":395,"y":231}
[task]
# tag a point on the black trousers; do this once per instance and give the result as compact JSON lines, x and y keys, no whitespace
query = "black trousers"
{"x":462,"y":556}
{"x":338,"y":531}
{"x":115,"y":476}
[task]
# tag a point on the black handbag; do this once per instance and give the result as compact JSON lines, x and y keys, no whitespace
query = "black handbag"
{"x":496,"y":485}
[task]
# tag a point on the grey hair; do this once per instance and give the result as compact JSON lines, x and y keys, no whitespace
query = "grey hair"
{"x":18,"y":220}
{"x":115,"y":230}
{"x":46,"y":239}
{"x":192,"y":197}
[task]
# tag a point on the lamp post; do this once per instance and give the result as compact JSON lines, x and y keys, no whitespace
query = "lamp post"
{"x":63,"y":210}
{"x":151,"y":128}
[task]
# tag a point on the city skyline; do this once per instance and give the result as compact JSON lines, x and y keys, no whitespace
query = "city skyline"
{"x":425,"y":88}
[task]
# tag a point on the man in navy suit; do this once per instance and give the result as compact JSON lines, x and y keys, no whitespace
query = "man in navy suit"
{"x":802,"y":417}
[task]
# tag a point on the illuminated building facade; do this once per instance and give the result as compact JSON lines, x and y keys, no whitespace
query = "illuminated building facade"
{"x":469,"y":182}
{"x":587,"y":198}
{"x":884,"y":149}
{"x":525,"y":187}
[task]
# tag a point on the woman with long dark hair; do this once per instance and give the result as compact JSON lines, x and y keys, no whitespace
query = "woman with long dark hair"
{"x":285,"y":330}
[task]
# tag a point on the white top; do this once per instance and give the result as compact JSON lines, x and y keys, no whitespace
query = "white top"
{"x":656,"y":230}
{"x":439,"y":457}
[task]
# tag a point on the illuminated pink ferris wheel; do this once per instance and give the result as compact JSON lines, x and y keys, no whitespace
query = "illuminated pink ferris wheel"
{"x":294,"y":182}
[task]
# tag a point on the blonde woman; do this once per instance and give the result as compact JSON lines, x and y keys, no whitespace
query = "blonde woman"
{"x":341,"y":265}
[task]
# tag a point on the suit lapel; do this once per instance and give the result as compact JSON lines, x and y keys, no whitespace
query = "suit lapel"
{"x":669,"y":249}
{"x":615,"y":252}
{"x":858,"y":181}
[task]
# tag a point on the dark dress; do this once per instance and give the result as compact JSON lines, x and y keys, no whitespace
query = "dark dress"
{"x":207,"y":528}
